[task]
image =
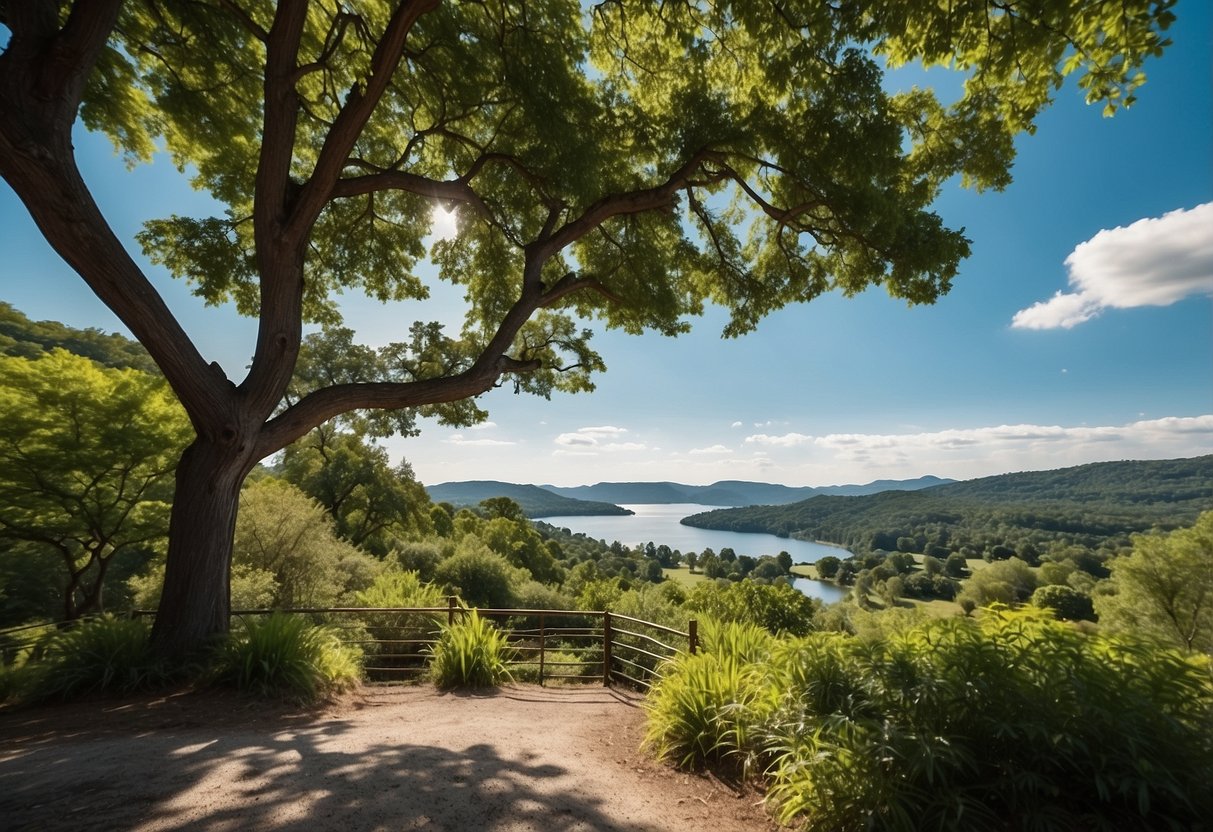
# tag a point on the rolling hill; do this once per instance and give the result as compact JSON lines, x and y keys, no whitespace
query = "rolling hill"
{"x":728,"y":492}
{"x":1097,"y":505}
{"x":535,"y":501}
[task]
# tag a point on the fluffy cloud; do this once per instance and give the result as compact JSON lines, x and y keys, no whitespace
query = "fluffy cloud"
{"x":463,"y":441}
{"x":1072,"y":444}
{"x":787,"y":440}
{"x":714,"y":450}
{"x":1152,"y":262}
{"x":599,"y":438}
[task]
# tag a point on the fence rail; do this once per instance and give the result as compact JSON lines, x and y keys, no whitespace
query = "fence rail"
{"x":547,"y":644}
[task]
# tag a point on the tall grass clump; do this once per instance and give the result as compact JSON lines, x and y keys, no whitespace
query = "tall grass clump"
{"x":471,"y":653}
{"x":286,"y":656}
{"x":105,"y":655}
{"x":706,"y":708}
{"x":1013,"y":721}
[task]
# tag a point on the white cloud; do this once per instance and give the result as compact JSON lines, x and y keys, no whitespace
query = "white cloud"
{"x":787,"y":440}
{"x":461,"y":440}
{"x":575,"y":439}
{"x":598,"y":438}
{"x":624,"y":446}
{"x":1153,"y":262}
{"x":735,"y":425}
{"x":1069,"y":443}
{"x":483,"y":426}
{"x":713,"y":450}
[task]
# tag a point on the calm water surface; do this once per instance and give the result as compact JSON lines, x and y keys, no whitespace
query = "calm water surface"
{"x":660,"y":524}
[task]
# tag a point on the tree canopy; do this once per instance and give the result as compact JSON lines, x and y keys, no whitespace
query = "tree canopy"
{"x":86,"y":461}
{"x":626,"y":161}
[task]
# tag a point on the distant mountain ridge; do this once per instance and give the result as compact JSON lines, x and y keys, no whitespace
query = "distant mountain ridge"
{"x":535,"y":501}
{"x":731,"y":492}
{"x":604,"y":497}
{"x":1098,"y":504}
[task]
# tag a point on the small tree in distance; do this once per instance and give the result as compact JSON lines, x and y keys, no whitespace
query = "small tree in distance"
{"x":626,"y":161}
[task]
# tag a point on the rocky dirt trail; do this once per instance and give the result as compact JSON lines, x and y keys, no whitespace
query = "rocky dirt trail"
{"x":560,"y":759}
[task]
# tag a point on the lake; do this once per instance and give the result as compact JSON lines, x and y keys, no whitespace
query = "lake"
{"x":660,"y":524}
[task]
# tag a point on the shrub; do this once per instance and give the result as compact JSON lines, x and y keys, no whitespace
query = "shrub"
{"x":398,"y":637}
{"x":479,"y":576}
{"x":777,"y":607}
{"x":559,"y":662}
{"x":284,"y":655}
{"x":106,"y":655}
{"x":1066,"y":602}
{"x":471,"y":653}
{"x":1012,"y":721}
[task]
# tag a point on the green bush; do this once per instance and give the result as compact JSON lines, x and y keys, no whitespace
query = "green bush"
{"x":471,"y":653}
{"x":105,"y":655}
{"x":481,"y":577}
{"x":707,"y":708}
{"x":1067,"y":603}
{"x":559,"y":662}
{"x":284,"y":655}
{"x":15,"y":681}
{"x":397,"y":639}
{"x":777,"y":607}
{"x":1014,"y":721}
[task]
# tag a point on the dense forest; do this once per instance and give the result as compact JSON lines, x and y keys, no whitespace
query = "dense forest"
{"x":1096,"y":506}
{"x":21,"y":337}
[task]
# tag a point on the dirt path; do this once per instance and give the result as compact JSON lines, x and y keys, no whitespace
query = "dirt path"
{"x":521,"y":758}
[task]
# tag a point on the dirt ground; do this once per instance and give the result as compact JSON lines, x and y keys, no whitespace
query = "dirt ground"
{"x":384,"y":758}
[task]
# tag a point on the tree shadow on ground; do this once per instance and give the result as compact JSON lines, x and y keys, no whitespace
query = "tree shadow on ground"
{"x":285,"y":776}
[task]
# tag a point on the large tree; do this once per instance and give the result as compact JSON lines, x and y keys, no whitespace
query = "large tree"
{"x":629,"y":160}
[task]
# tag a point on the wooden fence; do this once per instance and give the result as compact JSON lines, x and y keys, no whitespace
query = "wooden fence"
{"x":547,"y":644}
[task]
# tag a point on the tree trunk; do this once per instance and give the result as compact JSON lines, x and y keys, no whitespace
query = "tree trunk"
{"x":196,"y":601}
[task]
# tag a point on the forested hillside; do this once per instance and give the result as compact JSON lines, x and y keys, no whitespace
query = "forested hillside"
{"x":535,"y":501}
{"x":19,"y":336}
{"x":1096,"y":506}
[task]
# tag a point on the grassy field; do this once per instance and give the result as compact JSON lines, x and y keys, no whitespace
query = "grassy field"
{"x":683,"y":576}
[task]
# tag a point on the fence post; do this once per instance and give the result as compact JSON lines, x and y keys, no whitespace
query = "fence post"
{"x":606,"y":648}
{"x":541,"y":646}
{"x":693,"y":635}
{"x":450,"y":610}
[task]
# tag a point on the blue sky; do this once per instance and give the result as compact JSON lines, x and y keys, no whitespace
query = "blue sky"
{"x":1080,"y":330}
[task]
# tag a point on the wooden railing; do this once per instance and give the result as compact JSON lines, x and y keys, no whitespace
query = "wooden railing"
{"x":547,"y":644}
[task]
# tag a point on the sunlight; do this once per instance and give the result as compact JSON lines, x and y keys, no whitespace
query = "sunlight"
{"x":443,"y":223}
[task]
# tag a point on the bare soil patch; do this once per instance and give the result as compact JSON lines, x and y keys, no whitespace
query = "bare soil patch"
{"x":384,"y":758}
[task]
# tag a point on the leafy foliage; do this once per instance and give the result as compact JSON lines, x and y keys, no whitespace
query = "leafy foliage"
{"x":1164,"y":588}
{"x":706,"y":707}
{"x":283,"y":655}
{"x":104,"y":655}
{"x":22,"y":338}
{"x":372,"y":504}
{"x":1013,"y":721}
{"x":777,"y":607}
{"x":87,"y":455}
{"x":471,"y":653}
